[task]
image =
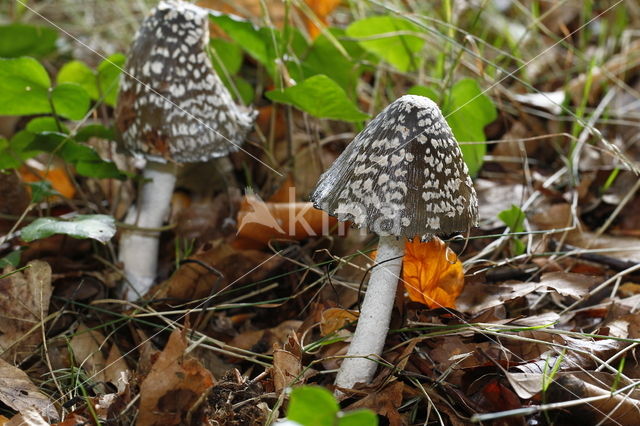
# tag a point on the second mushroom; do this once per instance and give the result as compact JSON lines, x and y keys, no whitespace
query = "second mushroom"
{"x":172,"y":108}
{"x":402,"y":177}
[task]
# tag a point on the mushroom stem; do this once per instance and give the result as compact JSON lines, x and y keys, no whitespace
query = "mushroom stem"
{"x":375,"y":315}
{"x":138,"y":248}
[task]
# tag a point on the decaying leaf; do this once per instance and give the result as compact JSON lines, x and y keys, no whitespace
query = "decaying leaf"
{"x":194,"y":281}
{"x":334,"y":319}
{"x":24,"y":302}
{"x":18,"y":392}
{"x":174,"y":385}
{"x":286,"y":368}
{"x":432,"y":273}
{"x":384,"y":402}
{"x":478,"y":297}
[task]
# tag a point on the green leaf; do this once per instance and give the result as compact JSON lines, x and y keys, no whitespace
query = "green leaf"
{"x":358,"y":418}
{"x":312,"y":406}
{"x":70,"y":100}
{"x":12,"y":259}
{"x":95,"y":131}
{"x":24,"y":85}
{"x":400,"y":50}
{"x":425,"y":91}
{"x":468,"y":111}
{"x":41,"y":190}
{"x":325,"y":58}
{"x":44,"y":124}
{"x":84,"y":158}
{"x":245,"y":89}
{"x":321,"y":97}
{"x":78,"y":72}
{"x":98,"y":227}
{"x":15,"y":151}
{"x":257,"y":42}
{"x":26,"y":40}
{"x":229,"y":55}
{"x":513,"y":218}
{"x":108,"y":79}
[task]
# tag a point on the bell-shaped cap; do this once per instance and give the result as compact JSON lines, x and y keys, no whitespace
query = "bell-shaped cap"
{"x":172,"y":105}
{"x":403,"y":175}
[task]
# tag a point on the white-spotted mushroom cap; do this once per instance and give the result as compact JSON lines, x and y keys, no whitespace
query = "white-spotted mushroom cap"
{"x":403,"y":175}
{"x":172,"y":105}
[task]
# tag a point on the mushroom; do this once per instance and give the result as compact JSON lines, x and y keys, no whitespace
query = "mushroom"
{"x":172,"y":108}
{"x":402,"y":177}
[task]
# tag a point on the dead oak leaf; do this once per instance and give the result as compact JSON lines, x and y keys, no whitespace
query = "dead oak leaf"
{"x":18,"y":392}
{"x":384,"y":402}
{"x":174,"y":385}
{"x":24,"y":302}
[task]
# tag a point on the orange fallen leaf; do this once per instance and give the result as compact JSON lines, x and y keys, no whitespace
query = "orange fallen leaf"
{"x":56,"y":176}
{"x":432,"y":273}
{"x":322,"y":9}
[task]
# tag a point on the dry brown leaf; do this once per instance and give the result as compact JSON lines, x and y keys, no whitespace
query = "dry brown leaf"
{"x":286,"y":369}
{"x":86,"y":345}
{"x":28,"y":417}
{"x":611,"y":409}
{"x":432,"y":273}
{"x":569,"y":284}
{"x":384,"y":402}
{"x":116,"y":369}
{"x":334,"y":319}
{"x":477,"y":297}
{"x":24,"y":302}
{"x":174,"y":385}
{"x":18,"y":392}
{"x":193,"y":281}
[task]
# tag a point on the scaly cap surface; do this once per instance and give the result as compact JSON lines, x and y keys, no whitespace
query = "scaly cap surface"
{"x":403,"y":175}
{"x":172,"y":105}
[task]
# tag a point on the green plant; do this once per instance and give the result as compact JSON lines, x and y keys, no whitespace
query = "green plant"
{"x":316,"y":406}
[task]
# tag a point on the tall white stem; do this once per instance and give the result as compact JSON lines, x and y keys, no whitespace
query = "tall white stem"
{"x":375,"y":315}
{"x":139,"y":249}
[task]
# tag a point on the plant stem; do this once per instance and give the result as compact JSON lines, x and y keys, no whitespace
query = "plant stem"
{"x":139,"y":249}
{"x":375,"y":315}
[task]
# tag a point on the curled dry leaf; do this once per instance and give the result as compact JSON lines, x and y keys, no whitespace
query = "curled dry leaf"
{"x":432,"y":273}
{"x":24,"y":302}
{"x":18,"y":392}
{"x":87,"y":346}
{"x":384,"y":402}
{"x":174,"y":385}
{"x":334,"y":319}
{"x":286,"y":369}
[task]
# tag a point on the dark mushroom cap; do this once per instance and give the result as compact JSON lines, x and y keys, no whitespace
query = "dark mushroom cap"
{"x":172,"y":105}
{"x":403,"y":175}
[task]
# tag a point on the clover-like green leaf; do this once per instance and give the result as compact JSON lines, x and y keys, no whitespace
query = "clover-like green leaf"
{"x":321,"y":97}
{"x":24,"y":86}
{"x":26,"y":40}
{"x":393,"y":39}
